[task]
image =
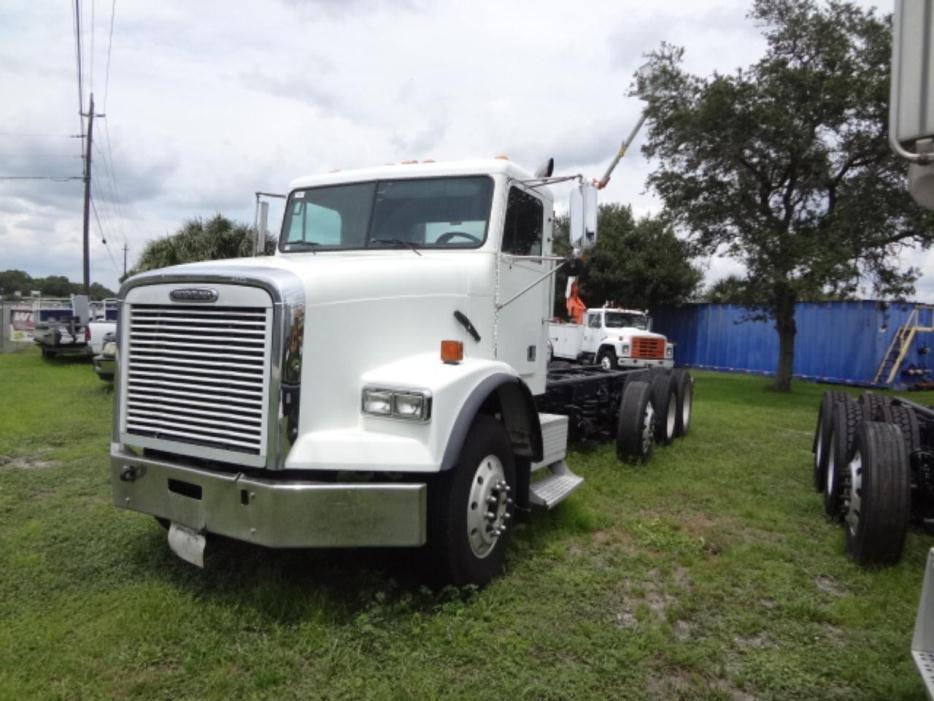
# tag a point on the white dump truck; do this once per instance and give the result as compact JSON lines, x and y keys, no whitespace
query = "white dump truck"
{"x":611,"y":338}
{"x":382,"y":380}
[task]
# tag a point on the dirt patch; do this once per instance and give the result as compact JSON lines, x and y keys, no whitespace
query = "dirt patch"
{"x":753,"y":642}
{"x":682,"y":630}
{"x":671,"y":685}
{"x":828,"y":586}
{"x":26,"y":462}
{"x":626,"y":619}
{"x":734,"y":693}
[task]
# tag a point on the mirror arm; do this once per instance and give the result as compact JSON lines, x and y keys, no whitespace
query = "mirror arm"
{"x":534,"y":283}
{"x":902,"y":152}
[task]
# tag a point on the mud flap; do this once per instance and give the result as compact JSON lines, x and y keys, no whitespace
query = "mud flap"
{"x":922,"y":644}
{"x":187,"y":544}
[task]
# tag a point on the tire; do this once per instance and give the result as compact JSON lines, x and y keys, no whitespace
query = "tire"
{"x":635,"y":429}
{"x":665,"y":402}
{"x":907,"y":421}
{"x":847,"y":417}
{"x":464,"y":544}
{"x":684,"y":389}
{"x":873,"y":406}
{"x":879,"y":496}
{"x":607,"y":359}
{"x":822,"y":435}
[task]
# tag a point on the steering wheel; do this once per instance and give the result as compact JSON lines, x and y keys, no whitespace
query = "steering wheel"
{"x":448,"y":235}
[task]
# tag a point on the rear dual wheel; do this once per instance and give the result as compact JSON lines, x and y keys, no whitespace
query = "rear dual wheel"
{"x":665,"y":403}
{"x":821,"y":445}
{"x":878,"y":495}
{"x":684,"y":389}
{"x":635,"y":430}
{"x":847,"y":416}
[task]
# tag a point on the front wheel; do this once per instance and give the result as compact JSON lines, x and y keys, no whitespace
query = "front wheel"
{"x":607,"y":359}
{"x":472,"y":507}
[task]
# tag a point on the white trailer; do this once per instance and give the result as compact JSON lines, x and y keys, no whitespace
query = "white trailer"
{"x":612,"y":338}
{"x":241,"y":409}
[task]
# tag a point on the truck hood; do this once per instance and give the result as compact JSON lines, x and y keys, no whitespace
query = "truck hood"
{"x":341,"y":278}
{"x":629,"y":332}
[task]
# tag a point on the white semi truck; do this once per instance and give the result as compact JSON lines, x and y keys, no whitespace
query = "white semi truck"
{"x":434,"y":420}
{"x":612,"y":338}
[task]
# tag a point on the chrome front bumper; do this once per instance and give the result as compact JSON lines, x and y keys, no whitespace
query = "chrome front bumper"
{"x":277,"y":513}
{"x":645,"y":363}
{"x":104,"y":366}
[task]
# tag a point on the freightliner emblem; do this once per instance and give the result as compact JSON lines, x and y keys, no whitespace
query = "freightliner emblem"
{"x":194,"y":294}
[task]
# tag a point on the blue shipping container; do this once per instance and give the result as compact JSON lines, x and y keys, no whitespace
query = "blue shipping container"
{"x":836,"y":341}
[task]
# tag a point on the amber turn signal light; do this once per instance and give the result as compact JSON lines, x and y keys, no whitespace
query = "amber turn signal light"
{"x":452,"y":351}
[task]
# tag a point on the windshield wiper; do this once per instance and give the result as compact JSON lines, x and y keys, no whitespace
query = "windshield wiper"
{"x":299,"y":245}
{"x":400,"y":242}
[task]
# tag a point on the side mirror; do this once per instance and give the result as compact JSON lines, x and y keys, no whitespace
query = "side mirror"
{"x":582,"y":211}
{"x":911,"y":102}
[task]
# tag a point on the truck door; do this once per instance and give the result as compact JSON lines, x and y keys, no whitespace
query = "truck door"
{"x":593,"y":331}
{"x":521,"y":324}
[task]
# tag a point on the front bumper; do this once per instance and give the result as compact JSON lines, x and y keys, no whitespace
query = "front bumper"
{"x":104,"y":366}
{"x":645,"y":363}
{"x":277,"y":513}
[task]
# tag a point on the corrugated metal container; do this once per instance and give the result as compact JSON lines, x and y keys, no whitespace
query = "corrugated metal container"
{"x":836,"y":341}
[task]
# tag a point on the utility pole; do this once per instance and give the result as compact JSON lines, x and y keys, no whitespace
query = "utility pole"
{"x":124,"y":259}
{"x":87,"y":196}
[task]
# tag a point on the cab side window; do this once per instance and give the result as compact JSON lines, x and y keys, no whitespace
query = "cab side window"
{"x":593,"y":321}
{"x":522,"y":233}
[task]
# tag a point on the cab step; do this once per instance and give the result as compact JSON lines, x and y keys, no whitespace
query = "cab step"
{"x":552,"y":490}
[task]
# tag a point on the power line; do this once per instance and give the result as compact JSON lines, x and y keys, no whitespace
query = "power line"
{"x":37,"y":133}
{"x":56,"y":178}
{"x":77,"y":27}
{"x":92,"y":47}
{"x":100,"y":229}
{"x":116,"y":201}
{"x":110,"y":41}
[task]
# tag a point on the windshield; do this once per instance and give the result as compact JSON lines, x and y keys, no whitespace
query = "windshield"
{"x":618,"y":320}
{"x":425,"y":213}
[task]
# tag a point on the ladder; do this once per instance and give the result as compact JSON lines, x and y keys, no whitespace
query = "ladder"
{"x":899,"y":347}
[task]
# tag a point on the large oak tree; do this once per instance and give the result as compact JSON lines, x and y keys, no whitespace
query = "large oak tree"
{"x":784,"y":165}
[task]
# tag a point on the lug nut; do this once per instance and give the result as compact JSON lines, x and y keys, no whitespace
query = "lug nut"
{"x":490,"y":515}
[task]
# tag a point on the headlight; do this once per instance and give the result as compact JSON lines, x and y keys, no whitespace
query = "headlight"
{"x":400,"y":404}
{"x":624,"y":349}
{"x":669,"y":352}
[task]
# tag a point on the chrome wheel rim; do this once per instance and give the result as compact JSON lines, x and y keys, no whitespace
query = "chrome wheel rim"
{"x":606,"y":363}
{"x":686,"y":405}
{"x":672,"y":417}
{"x":648,"y":428}
{"x":855,"y":500}
{"x":831,"y":469}
{"x":487,"y":506}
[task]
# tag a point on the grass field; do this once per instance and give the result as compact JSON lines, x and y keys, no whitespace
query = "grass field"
{"x":708,"y":573}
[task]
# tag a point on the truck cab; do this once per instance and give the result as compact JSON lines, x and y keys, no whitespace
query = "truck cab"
{"x":380,"y":381}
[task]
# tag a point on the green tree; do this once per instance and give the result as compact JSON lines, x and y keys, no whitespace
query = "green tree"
{"x":197,"y":240}
{"x":784,"y":165}
{"x":636,"y":263}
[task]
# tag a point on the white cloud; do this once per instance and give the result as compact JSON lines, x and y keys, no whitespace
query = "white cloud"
{"x":210,"y":102}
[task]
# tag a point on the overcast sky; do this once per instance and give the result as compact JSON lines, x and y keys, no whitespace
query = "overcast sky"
{"x":209,"y":102}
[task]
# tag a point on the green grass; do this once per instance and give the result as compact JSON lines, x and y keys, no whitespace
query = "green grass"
{"x":709,"y":573}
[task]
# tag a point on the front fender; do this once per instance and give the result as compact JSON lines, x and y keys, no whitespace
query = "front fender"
{"x":458,"y":391}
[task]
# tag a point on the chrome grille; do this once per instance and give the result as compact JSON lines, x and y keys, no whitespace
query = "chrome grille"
{"x":197,"y":374}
